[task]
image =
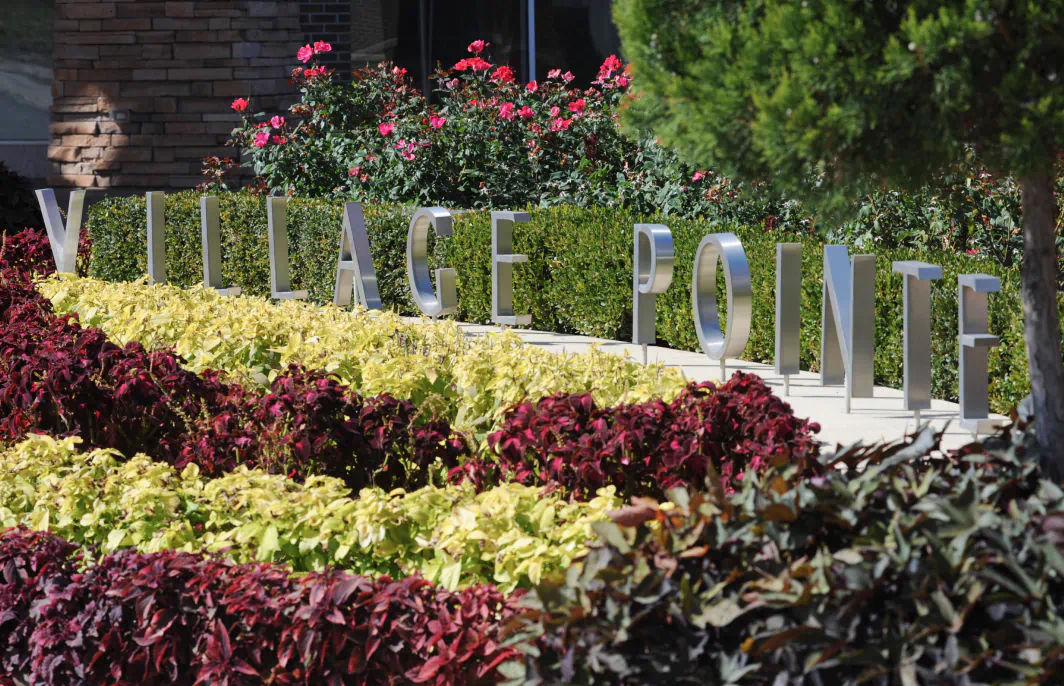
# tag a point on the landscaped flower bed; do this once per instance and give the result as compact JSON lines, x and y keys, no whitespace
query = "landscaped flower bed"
{"x":508,"y":535}
{"x":68,"y":380}
{"x":471,"y":381}
{"x":179,"y":618}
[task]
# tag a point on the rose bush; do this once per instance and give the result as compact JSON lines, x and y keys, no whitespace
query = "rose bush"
{"x":487,"y":141}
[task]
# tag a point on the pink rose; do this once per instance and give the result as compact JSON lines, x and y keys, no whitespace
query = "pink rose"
{"x":277,"y":122}
{"x":622,"y":81}
{"x":305,"y":54}
{"x":279,"y":140}
{"x":698,"y":176}
{"x":386,"y":128}
{"x":578,"y":106}
{"x":525,"y":112}
{"x":506,"y":111}
{"x":477,"y":47}
{"x":240,"y":104}
{"x":555,"y":111}
{"x":560,"y":124}
{"x":322,"y":46}
{"x":262,"y":138}
{"x":474,"y":63}
{"x":354,"y":171}
{"x":568,"y":76}
{"x":611,"y":65}
{"x":554,"y":73}
{"x":503,"y":75}
{"x":452,"y":84}
{"x":436,"y":121}
{"x":532,"y":86}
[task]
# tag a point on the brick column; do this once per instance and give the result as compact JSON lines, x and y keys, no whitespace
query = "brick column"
{"x":143,"y":87}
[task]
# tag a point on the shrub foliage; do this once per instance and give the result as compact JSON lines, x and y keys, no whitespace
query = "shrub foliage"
{"x":647,"y":448}
{"x":909,"y":570}
{"x":179,"y":618}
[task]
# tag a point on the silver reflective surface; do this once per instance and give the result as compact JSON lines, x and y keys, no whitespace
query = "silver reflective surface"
{"x":156,"y":201}
{"x":848,"y":321}
{"x":354,"y":267}
{"x":916,"y":298}
{"x":62,"y":237}
{"x":788,"y":308}
{"x":716,"y":344}
{"x":502,"y":268}
{"x":211,"y":242}
{"x":653,"y":260}
{"x":280,"y":275}
{"x":975,"y":343}
{"x":417,"y":264}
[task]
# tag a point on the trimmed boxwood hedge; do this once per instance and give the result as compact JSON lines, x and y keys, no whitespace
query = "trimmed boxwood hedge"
{"x":577,"y":280}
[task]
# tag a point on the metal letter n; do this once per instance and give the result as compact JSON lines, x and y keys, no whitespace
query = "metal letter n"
{"x":848,"y":322}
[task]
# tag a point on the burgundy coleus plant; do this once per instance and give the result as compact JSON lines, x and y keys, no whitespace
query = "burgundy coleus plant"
{"x":647,"y":448}
{"x":62,"y":379}
{"x":179,"y":618}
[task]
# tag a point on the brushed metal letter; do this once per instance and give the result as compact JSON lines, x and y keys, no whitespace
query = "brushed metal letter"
{"x":211,"y":241}
{"x":502,"y":268}
{"x":417,"y":264}
{"x":280,"y":274}
{"x":63,"y":237}
{"x":973,"y":322}
{"x":848,"y":322}
{"x":354,"y":268}
{"x":156,"y":203}
{"x":717,"y":345}
{"x":916,"y":296}
{"x":788,"y":311}
{"x":653,"y":260}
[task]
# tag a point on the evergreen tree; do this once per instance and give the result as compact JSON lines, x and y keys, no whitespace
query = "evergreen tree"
{"x":831,"y":99}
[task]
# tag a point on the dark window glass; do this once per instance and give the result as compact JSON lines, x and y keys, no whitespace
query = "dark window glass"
{"x":418,"y":34}
{"x":576,"y":36}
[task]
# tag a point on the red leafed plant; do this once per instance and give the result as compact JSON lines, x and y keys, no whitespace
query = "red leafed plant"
{"x":28,"y":253}
{"x":647,"y":448}
{"x":32,"y":563}
{"x":62,"y":379}
{"x":179,"y":618}
{"x":311,"y":423}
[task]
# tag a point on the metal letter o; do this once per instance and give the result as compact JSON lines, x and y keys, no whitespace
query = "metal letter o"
{"x":417,"y":264}
{"x":716,"y":344}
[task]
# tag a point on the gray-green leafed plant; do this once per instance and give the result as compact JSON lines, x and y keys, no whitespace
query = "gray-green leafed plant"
{"x":829,"y":99}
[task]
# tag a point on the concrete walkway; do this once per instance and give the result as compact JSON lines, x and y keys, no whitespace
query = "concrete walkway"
{"x":870,"y":419}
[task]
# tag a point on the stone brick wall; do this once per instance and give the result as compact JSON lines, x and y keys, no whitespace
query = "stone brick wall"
{"x":143,"y":87}
{"x":330,"y":21}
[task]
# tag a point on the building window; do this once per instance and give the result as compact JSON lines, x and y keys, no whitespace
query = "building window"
{"x":573,"y":35}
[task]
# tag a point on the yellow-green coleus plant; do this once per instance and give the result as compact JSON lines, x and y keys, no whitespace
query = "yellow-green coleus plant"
{"x":474,"y":379}
{"x":509,"y":535}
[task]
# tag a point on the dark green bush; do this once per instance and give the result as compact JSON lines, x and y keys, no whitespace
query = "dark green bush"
{"x":910,"y":571}
{"x":577,"y":280}
{"x":18,"y":205}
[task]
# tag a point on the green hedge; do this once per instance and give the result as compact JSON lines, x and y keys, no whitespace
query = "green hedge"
{"x":577,"y":280}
